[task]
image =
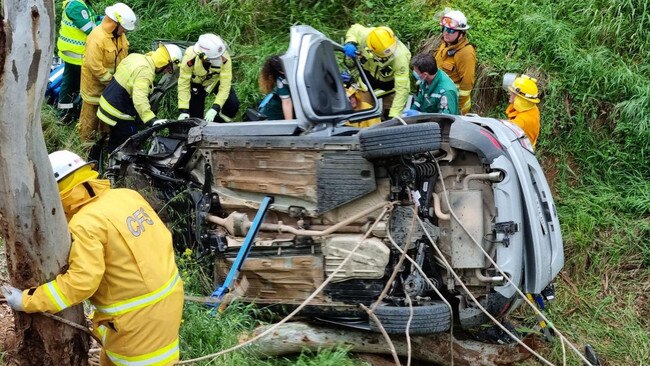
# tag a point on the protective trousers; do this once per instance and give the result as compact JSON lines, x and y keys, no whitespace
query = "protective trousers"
{"x":91,"y":128}
{"x":197,"y":102}
{"x":69,"y":90}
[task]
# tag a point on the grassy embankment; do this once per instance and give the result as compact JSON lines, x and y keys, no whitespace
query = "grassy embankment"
{"x":591,"y":58}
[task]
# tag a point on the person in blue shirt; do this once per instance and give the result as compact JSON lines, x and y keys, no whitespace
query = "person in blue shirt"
{"x":436,"y":93}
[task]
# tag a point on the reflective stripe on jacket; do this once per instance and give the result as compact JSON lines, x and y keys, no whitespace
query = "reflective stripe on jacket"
{"x":77,"y":21}
{"x":441,"y":96}
{"x":103,"y":54}
{"x":134,"y":78}
{"x":527,"y":120}
{"x":396,"y":68}
{"x":121,"y":259}
{"x":193,"y":72}
{"x":164,"y":356}
{"x":458,"y":61}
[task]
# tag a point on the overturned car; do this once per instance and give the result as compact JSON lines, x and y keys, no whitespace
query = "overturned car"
{"x":457,"y":194}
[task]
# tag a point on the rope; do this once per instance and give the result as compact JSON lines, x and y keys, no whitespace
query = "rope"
{"x":387,"y":208}
{"x":494,"y":320}
{"x":66,"y":322}
{"x":431,"y":285}
{"x":373,"y":316}
{"x":516,"y":287}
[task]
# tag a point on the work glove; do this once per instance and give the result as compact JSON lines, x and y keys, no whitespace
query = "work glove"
{"x":184,"y":114}
{"x":410,"y":112}
{"x":212,"y":113}
{"x":14,"y":297}
{"x":350,"y":49}
{"x":159,"y":122}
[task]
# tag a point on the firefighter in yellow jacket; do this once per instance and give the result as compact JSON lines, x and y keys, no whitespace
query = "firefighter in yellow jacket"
{"x":522,"y":109}
{"x":122,"y":260}
{"x":106,"y":47}
{"x":124,"y":104}
{"x":386,"y":61}
{"x":206,"y":67}
{"x":457,"y":57}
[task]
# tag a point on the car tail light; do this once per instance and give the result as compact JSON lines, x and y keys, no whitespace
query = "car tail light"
{"x":521,"y":136}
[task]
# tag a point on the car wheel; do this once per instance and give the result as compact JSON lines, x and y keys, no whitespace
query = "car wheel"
{"x":435,"y":318}
{"x":399,"y":140}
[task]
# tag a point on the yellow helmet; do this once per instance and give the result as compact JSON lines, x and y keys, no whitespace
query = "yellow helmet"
{"x":525,"y":87}
{"x":381,"y":41}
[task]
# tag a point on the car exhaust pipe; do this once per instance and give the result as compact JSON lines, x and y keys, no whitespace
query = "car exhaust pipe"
{"x":481,"y":277}
{"x":238,"y":223}
{"x":496,"y":176}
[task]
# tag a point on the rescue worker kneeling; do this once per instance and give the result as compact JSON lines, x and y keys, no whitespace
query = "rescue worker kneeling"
{"x":124,"y":104}
{"x":207,"y":68}
{"x":122,"y":260}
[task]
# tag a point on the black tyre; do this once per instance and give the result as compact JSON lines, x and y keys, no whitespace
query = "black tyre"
{"x":399,"y":140}
{"x":427,"y":319}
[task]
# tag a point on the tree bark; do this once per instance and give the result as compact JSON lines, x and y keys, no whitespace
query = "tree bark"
{"x":295,"y":337}
{"x":32,"y":223}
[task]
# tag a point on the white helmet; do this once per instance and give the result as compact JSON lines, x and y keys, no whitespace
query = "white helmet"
{"x":65,"y":162}
{"x":454,"y":19}
{"x":212,"y":47}
{"x":122,"y":14}
{"x":175,"y":55}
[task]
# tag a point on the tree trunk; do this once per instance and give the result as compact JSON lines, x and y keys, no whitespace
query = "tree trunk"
{"x":32,"y":223}
{"x":294,"y":337}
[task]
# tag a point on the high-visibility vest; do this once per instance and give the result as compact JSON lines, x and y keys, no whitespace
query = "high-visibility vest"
{"x":72,"y":40}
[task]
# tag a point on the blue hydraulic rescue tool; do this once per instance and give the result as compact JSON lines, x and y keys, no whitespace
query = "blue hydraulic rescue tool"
{"x":244,"y":250}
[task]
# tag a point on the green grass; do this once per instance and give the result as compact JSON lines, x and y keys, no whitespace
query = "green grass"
{"x":591,"y":59}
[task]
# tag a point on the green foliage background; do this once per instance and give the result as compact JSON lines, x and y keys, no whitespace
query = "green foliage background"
{"x":591,"y":57}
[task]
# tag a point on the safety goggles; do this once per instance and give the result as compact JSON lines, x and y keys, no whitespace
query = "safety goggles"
{"x":449,"y":23}
{"x":448,"y":30}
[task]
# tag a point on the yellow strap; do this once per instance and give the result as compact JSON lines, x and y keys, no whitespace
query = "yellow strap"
{"x":142,"y":301}
{"x":89,"y":99}
{"x":114,"y":111}
{"x":162,"y":356}
{"x":106,"y":77}
{"x":56,"y":296}
{"x":106,"y":119}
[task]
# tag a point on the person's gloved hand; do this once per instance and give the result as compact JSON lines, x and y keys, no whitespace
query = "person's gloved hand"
{"x":183,"y":116}
{"x":410,"y":112}
{"x":212,"y":113}
{"x":346,"y":77}
{"x":159,"y":122}
{"x":14,"y":297}
{"x":350,"y":49}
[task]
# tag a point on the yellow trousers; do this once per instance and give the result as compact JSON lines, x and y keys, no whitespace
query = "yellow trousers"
{"x":91,"y":128}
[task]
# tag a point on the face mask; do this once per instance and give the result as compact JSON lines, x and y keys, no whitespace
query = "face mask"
{"x":416,"y":75}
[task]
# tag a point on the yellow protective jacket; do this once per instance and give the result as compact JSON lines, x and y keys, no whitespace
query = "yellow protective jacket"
{"x":458,"y":61}
{"x":122,"y":260}
{"x":103,"y":54}
{"x":527,"y":119}
{"x":365,"y":123}
{"x":397,"y":67}
{"x":135,"y":76}
{"x":193,"y":72}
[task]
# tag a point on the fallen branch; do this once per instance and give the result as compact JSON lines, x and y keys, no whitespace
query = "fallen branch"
{"x":294,"y":337}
